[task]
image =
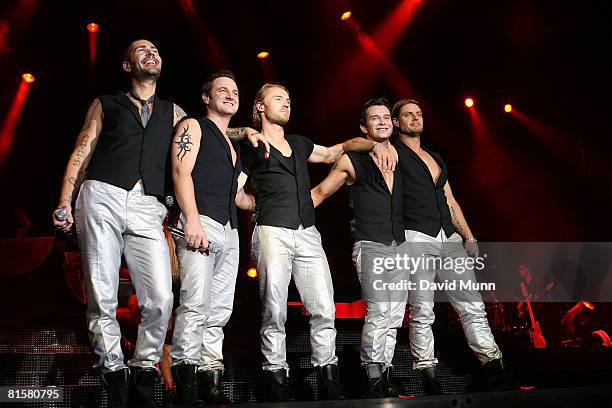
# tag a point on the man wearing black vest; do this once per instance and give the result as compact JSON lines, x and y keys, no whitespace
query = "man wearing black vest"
{"x":286,"y":243}
{"x":207,"y":174}
{"x":379,"y":235}
{"x":435,"y":226}
{"x":121,"y":154}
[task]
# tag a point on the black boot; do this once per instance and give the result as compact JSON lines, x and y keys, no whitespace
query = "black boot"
{"x":116,"y":384}
{"x":185,"y":380}
{"x":431,"y":385}
{"x":209,"y":387}
{"x":375,"y":381}
{"x":142,"y":383}
{"x":329,"y":378}
{"x":498,"y":378}
{"x":390,"y":389}
{"x":279,"y":382}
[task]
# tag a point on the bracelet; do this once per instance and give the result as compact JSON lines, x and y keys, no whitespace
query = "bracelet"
{"x":471,"y":239}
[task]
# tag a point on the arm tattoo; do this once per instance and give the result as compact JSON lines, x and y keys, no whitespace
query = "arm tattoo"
{"x":80,"y":152}
{"x":76,"y":181}
{"x":183,"y":142}
{"x":178,"y":112}
{"x":236,"y":133}
{"x":456,"y":222}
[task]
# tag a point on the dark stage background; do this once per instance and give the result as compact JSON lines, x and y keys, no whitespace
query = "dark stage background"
{"x":542,"y":174}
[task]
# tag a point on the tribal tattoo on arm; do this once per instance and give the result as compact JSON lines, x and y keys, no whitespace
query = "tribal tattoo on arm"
{"x":183,"y":141}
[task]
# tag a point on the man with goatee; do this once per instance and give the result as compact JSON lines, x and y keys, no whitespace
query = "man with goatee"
{"x":435,"y":228}
{"x":121,"y":154}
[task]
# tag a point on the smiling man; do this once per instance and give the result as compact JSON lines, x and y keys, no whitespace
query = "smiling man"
{"x":379,"y":235}
{"x":207,"y":174}
{"x":286,"y":243}
{"x":121,"y":153}
{"x":435,"y":229}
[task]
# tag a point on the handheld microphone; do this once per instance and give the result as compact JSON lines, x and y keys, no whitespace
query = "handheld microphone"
{"x":212,"y":247}
{"x":60,"y":214}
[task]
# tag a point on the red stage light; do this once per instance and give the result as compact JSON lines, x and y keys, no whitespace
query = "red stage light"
{"x":588,"y":305}
{"x":263,"y":55}
{"x":252,"y":272}
{"x":469,"y":102}
{"x":29,"y":78}
{"x":508,"y":108}
{"x":93,"y":27}
{"x":346,"y":15}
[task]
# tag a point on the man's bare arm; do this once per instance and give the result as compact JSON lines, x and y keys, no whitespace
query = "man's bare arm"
{"x":457,"y":216}
{"x":178,"y":114}
{"x":255,"y":138}
{"x":461,"y":225}
{"x":322,"y":154}
{"x":243,"y":200}
{"x":341,"y":173}
{"x":79,"y":160}
{"x":184,"y":151}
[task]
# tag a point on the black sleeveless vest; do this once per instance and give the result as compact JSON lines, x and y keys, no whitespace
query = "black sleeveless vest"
{"x":378,"y":212}
{"x":425,"y":206}
{"x":215,"y":179}
{"x":126,"y":151}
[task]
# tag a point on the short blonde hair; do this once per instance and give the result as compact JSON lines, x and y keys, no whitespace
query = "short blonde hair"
{"x":260,"y":96}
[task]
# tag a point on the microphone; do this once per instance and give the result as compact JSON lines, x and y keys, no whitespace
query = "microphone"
{"x":169,"y":201}
{"x":60,"y":214}
{"x":212,"y":247}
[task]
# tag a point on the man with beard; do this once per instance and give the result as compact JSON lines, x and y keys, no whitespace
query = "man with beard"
{"x":435,"y":226}
{"x":121,"y":153}
{"x":286,"y":244}
{"x":379,"y":235}
{"x":206,"y":169}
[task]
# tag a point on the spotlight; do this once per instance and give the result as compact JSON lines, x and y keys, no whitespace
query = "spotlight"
{"x":469,"y":102}
{"x":93,"y":27}
{"x":263,"y":55}
{"x":346,"y":15}
{"x":508,"y":108}
{"x":252,"y":272}
{"x":29,"y":78}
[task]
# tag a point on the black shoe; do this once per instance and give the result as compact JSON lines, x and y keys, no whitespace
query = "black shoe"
{"x":185,"y":380}
{"x":209,"y":387}
{"x":498,"y":378}
{"x":375,"y":380}
{"x":329,"y":378}
{"x":279,"y":382}
{"x":116,"y":384}
{"x":142,"y":383}
{"x":390,"y":388}
{"x":431,"y":385}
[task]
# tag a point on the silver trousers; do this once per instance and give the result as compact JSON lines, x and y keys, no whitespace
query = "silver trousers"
{"x":111,"y":221}
{"x":208,"y":282}
{"x":282,"y":254}
{"x":386,"y":304}
{"x":467,"y":303}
